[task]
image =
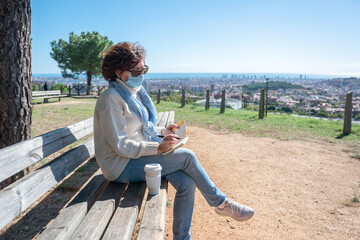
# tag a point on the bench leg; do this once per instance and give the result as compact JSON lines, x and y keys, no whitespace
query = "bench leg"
{"x":46,"y":100}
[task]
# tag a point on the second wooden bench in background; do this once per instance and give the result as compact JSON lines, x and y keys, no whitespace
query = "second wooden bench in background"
{"x":46,"y":95}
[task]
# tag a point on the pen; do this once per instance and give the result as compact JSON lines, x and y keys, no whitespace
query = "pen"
{"x":179,"y":124}
{"x":161,"y":136}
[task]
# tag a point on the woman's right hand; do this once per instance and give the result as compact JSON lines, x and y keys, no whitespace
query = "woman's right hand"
{"x":168,"y":143}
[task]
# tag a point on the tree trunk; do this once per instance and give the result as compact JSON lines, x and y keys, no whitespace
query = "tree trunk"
{"x":15,"y":72}
{"x":88,"y":75}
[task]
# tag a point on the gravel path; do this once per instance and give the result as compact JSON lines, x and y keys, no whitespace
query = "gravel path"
{"x":299,"y":190}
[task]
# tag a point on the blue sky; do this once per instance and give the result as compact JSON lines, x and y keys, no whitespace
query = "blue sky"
{"x":258,"y":36}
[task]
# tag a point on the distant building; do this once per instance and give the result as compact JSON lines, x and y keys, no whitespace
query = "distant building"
{"x":197,"y":88}
{"x":234,"y":104}
{"x":315,"y":101}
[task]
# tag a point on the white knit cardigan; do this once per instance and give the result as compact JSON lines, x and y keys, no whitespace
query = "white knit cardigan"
{"x":118,"y":134}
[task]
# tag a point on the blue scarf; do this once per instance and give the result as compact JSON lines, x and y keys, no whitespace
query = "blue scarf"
{"x":148,"y":118}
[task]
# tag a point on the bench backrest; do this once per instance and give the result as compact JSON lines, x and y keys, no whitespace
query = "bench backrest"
{"x":16,"y":197}
{"x":95,"y":212}
{"x":46,"y":93}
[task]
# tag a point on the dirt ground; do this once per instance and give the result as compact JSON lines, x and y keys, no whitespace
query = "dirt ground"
{"x":299,"y":190}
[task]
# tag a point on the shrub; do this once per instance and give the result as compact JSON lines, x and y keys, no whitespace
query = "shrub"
{"x":357,"y":117}
{"x":35,"y":87}
{"x":339,"y":115}
{"x":57,"y":86}
{"x":271,"y":108}
{"x":322,"y":113}
{"x":286,"y":109}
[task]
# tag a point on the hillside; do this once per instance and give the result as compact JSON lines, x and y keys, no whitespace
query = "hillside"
{"x":351,"y":83}
{"x":273,"y":85}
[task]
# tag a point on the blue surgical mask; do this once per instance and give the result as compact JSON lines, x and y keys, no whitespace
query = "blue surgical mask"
{"x":135,"y":82}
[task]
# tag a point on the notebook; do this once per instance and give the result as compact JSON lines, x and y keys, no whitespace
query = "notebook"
{"x":182,"y":133}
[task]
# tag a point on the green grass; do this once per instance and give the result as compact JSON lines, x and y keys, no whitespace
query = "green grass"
{"x":49,"y":116}
{"x":354,"y":199}
{"x":246,"y":122}
{"x":53,"y":115}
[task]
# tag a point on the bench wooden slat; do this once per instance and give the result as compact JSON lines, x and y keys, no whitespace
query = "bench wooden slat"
{"x":65,"y":224}
{"x":124,"y":220}
{"x":49,"y":91}
{"x":164,"y":119}
{"x":53,"y":96}
{"x":171,"y":118}
{"x":94,"y":223}
{"x":153,"y":220}
{"x":21,"y":194}
{"x":40,"y":93}
{"x":37,"y":93}
{"x":159,"y":116}
{"x":19,"y":156}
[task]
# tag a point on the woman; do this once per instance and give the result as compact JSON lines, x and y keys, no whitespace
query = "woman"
{"x":126,"y":140}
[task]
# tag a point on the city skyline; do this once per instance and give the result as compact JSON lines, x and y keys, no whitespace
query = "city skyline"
{"x":305,"y":37}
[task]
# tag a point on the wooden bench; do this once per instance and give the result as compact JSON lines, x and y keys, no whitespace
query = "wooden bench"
{"x":46,"y":95}
{"x":102,"y":209}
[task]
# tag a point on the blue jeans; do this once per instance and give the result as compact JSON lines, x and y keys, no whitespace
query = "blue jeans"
{"x":185,"y":173}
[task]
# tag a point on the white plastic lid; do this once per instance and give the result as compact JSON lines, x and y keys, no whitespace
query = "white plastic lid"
{"x":152,"y":167}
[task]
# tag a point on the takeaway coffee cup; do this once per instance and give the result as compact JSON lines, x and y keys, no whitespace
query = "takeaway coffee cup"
{"x":153,"y":177}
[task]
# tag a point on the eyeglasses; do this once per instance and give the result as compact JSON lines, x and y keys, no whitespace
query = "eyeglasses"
{"x":137,"y":72}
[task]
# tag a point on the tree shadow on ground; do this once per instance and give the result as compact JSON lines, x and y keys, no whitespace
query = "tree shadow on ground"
{"x":342,"y":135}
{"x":31,"y":224}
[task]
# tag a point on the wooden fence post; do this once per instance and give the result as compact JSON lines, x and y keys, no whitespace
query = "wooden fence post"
{"x":183,"y":98}
{"x":69,"y":87}
{"x":78,"y":89}
{"x":261,"y":104}
{"x":267,"y":97}
{"x":222,"y":106}
{"x":348,"y":114}
{"x":158,"y":97}
{"x":88,"y":89}
{"x":99,"y":89}
{"x":207,"y":102}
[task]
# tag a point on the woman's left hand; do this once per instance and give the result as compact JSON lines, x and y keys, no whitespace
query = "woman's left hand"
{"x":168,"y":130}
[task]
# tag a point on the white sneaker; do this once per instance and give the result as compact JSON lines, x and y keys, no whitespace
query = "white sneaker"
{"x":235,"y":210}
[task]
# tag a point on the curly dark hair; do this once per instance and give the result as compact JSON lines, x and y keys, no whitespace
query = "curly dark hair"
{"x":122,"y":56}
